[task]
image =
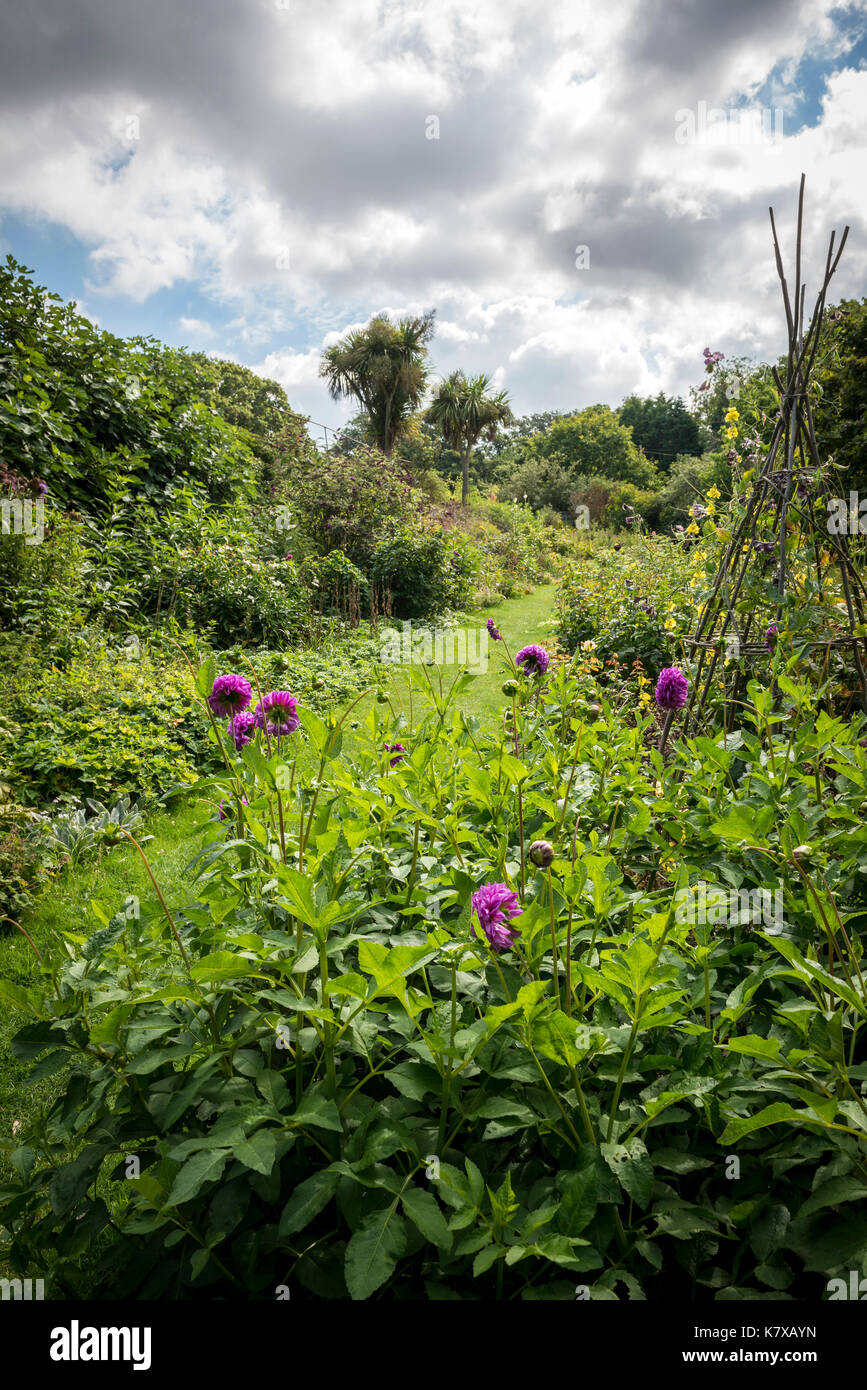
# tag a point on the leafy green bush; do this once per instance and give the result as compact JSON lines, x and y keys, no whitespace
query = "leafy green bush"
{"x":96,"y":417}
{"x":544,"y":482}
{"x":338,"y":585}
{"x":103,"y":725}
{"x":608,"y":502}
{"x":44,"y":586}
{"x":349,"y":502}
{"x":322,"y":1077}
{"x":414,"y":567}
{"x":594,"y":442}
{"x":23,"y":859}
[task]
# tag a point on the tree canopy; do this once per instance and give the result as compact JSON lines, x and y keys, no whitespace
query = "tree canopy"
{"x":463,"y":410}
{"x":594,"y":442}
{"x":662,"y":426}
{"x":384,"y":368}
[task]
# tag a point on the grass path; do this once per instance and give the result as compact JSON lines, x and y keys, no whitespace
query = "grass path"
{"x":521,"y":621}
{"x":177,"y":833}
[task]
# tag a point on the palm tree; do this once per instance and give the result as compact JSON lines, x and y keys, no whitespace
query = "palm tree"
{"x":463,"y":412}
{"x":383,"y":366}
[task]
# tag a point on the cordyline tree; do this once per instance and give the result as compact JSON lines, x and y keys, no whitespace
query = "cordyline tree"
{"x":383,"y":366}
{"x":463,"y":411}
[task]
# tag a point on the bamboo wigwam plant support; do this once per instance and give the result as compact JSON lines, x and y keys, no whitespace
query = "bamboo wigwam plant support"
{"x":792,"y":482}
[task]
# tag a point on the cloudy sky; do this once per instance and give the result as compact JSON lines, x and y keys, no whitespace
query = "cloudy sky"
{"x":253,"y":177}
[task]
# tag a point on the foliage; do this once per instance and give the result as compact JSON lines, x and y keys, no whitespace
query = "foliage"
{"x":211,"y":573}
{"x":339,"y":585}
{"x":259,"y":408}
{"x":104,"y":724}
{"x":383,"y":367}
{"x":332,"y":1085}
{"x":635,"y":599}
{"x":594,"y":442}
{"x":73,"y":833}
{"x":347,"y":502}
{"x":609,"y":503}
{"x":841,"y":409}
{"x":42,"y":584}
{"x":23,"y":862}
{"x":98,"y":417}
{"x":463,"y":411}
{"x":412,"y":565}
{"x":688,"y":480}
{"x":662,"y":427}
{"x":542,"y":482}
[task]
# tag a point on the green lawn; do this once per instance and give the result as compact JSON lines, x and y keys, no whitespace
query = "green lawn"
{"x":177,"y":833}
{"x":521,"y":621}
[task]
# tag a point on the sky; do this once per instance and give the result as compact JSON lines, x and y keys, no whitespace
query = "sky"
{"x":580,"y":189}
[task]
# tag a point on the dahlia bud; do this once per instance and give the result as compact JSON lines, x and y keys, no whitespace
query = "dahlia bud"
{"x":319,"y":683}
{"x":542,"y":853}
{"x":510,"y":687}
{"x":381,"y":697}
{"x":801,"y":852}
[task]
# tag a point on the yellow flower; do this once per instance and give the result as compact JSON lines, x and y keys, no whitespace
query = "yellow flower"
{"x":713,"y":492}
{"x":669,"y":624}
{"x":711,"y":509}
{"x":732,"y":413}
{"x":692,"y":529}
{"x":732,"y":432}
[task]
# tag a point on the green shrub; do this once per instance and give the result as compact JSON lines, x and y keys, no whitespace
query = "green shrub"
{"x":45,"y":587}
{"x":337,"y":585}
{"x":103,"y":725}
{"x":413,"y":566}
{"x":331,"y":1086}
{"x":97,"y":417}
{"x":350,"y":501}
{"x":544,"y":482}
{"x":23,"y":859}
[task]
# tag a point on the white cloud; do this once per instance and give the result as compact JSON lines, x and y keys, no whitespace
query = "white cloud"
{"x":279,"y":165}
{"x":196,"y":328}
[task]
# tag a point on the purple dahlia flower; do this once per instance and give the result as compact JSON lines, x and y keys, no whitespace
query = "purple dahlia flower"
{"x":771,"y":637}
{"x":241,"y":728}
{"x":277,"y":713}
{"x":494,"y":904}
{"x":533,"y":659}
{"x":230,"y":695}
{"x":494,"y":631}
{"x":398,"y":749}
{"x":672,"y":688}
